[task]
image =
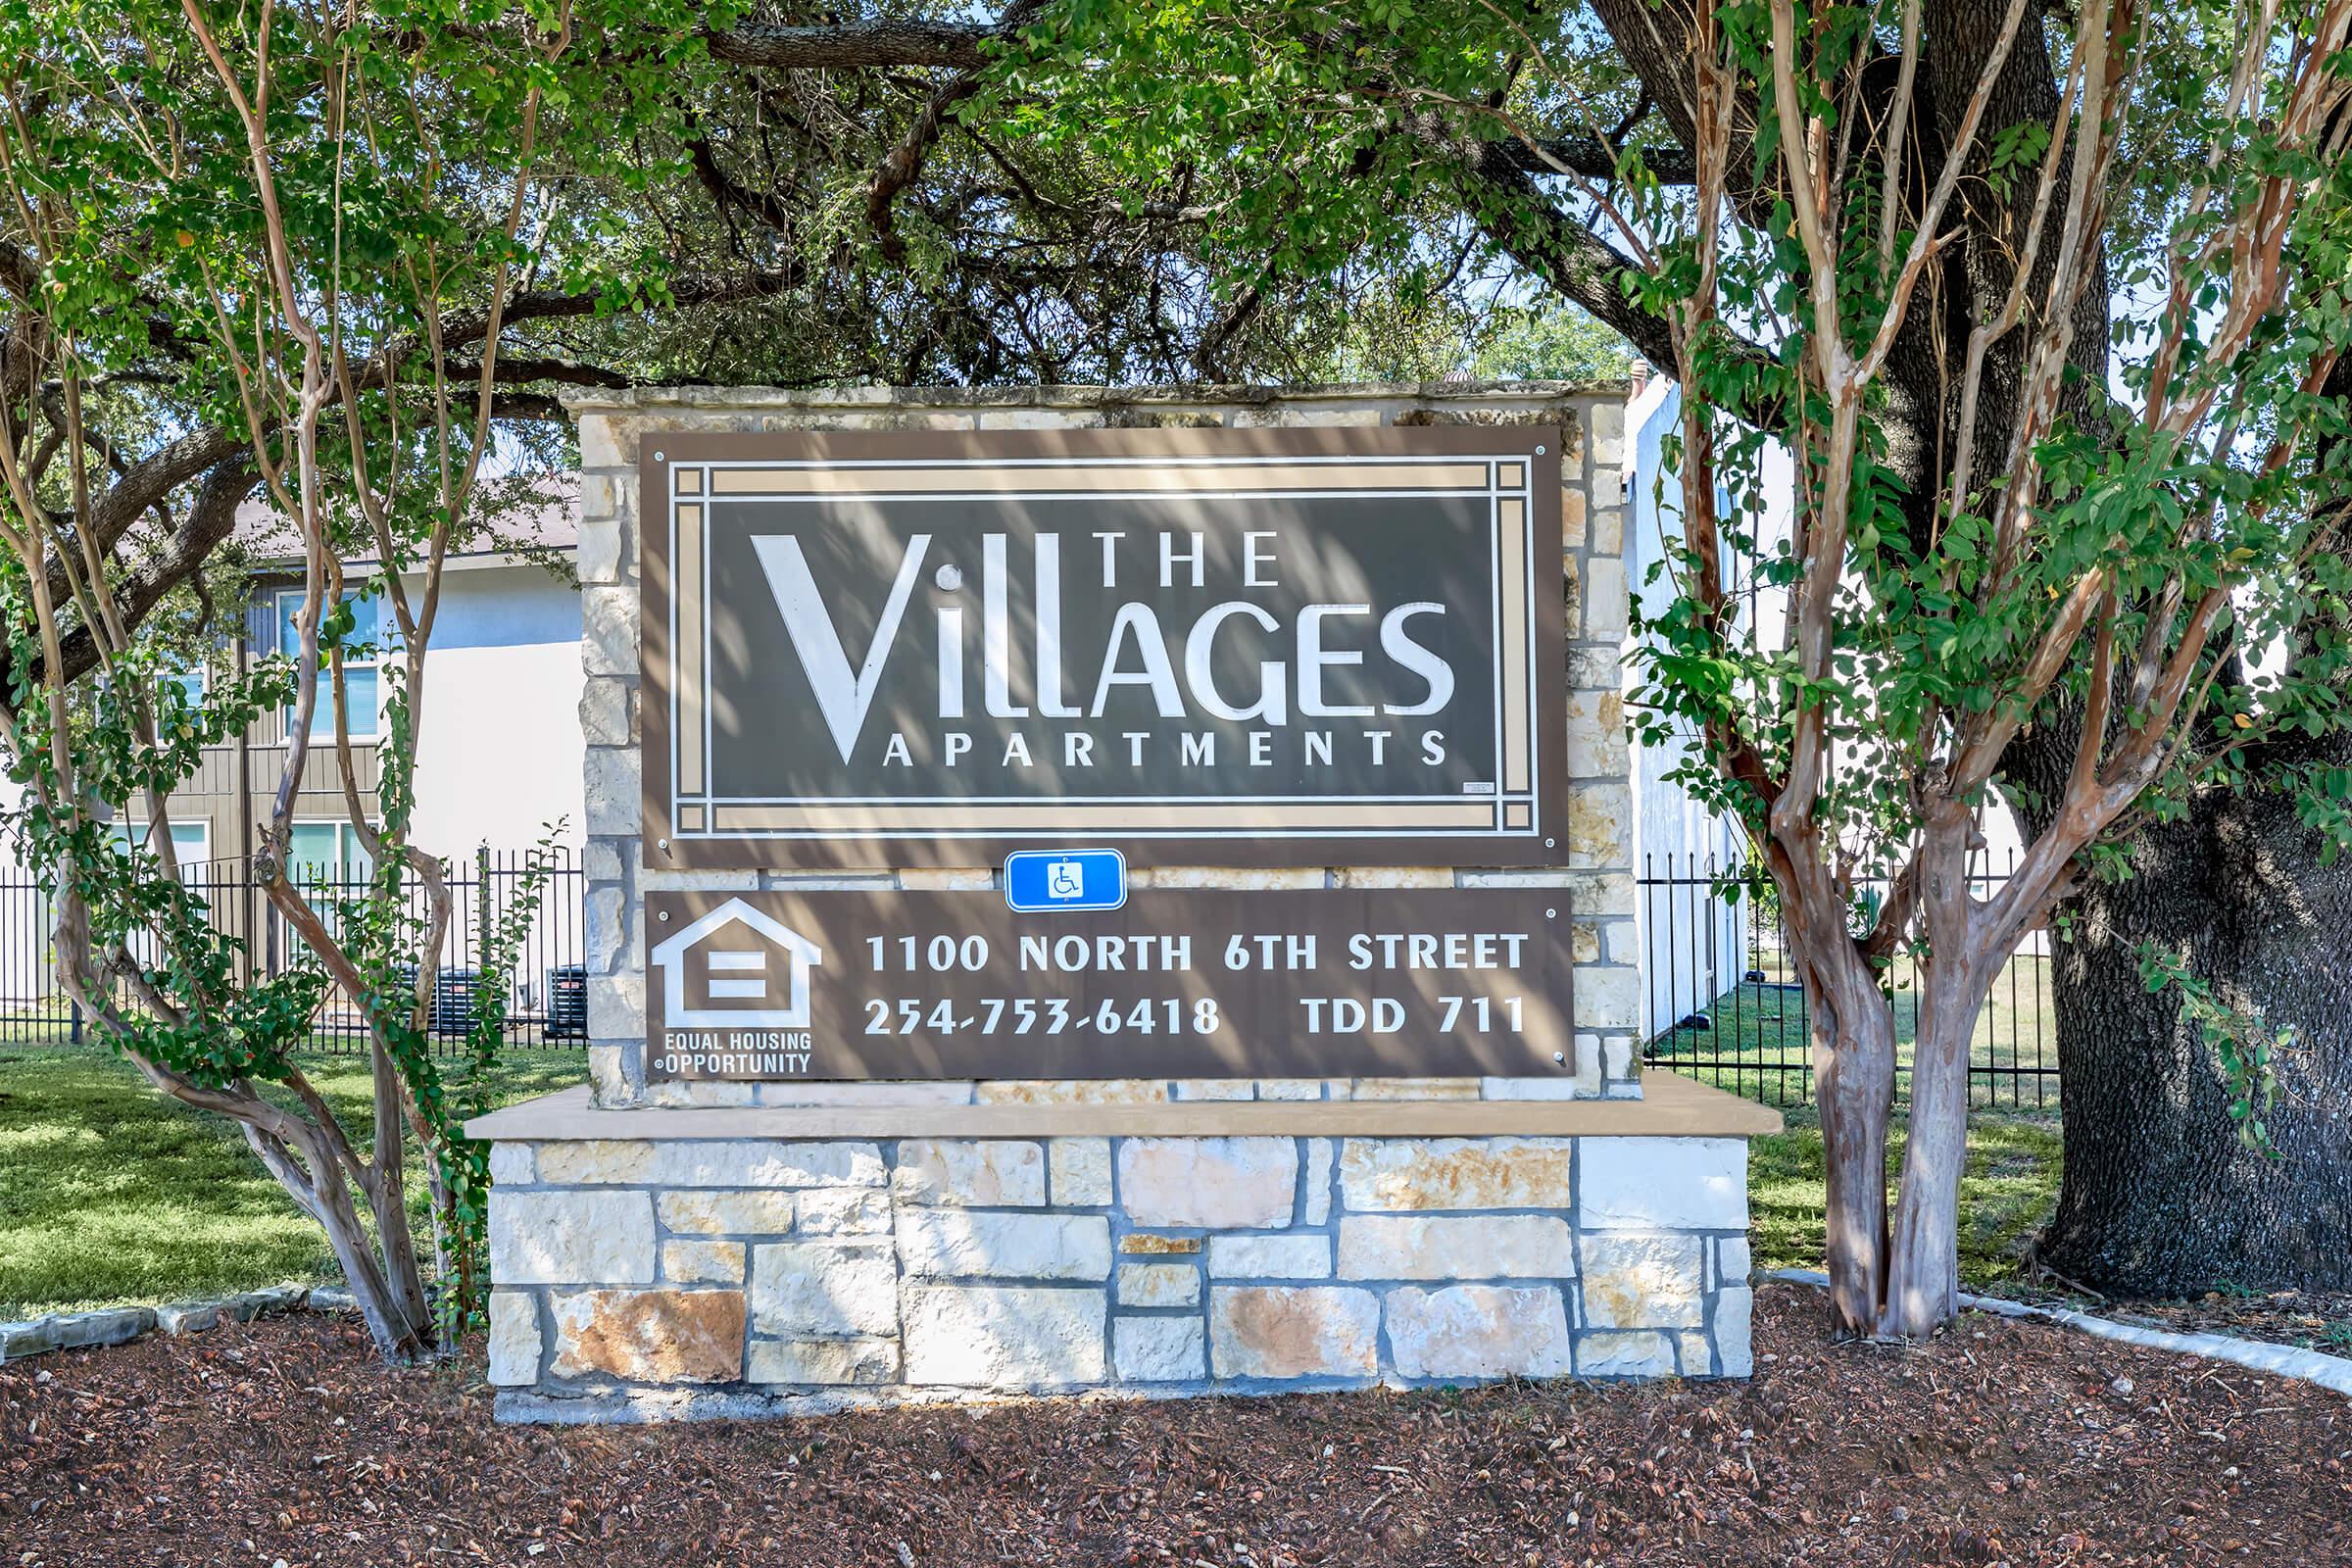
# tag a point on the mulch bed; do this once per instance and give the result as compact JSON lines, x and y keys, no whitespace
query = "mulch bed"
{"x":1996,"y":1442}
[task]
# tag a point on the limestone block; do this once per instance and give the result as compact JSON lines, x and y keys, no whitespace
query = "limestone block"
{"x":830,"y":1363}
{"x":953,"y":1092}
{"x":1617,"y":1060}
{"x":119,"y":1325}
{"x":1294,"y":1088}
{"x":703,"y":1262}
{"x":572,"y":1238}
{"x":1081,"y":1171}
{"x":513,"y":1337}
{"x":597,"y":1161}
{"x":610,"y":777}
{"x":1566,"y":1086}
{"x":607,"y":442}
{"x":1413,"y":1173}
{"x":947,"y":1241}
{"x":1732,"y":1261}
{"x":1664,"y":1184}
{"x":616,"y":1007}
{"x":1234,"y":879}
{"x":1378,"y":1246}
{"x":1039,"y":419}
{"x":993,"y":1173}
{"x":1270,"y":1257}
{"x":758,"y":1163}
{"x":606,"y":1076}
{"x":1643,"y":1282}
{"x":1597,"y":738}
{"x":1699,"y":1357}
{"x":1159,"y":1245}
{"x":1416,"y":1089}
{"x":1318,"y":1180}
{"x":1734,"y":1315}
{"x":947,"y":879}
{"x":604,"y":713}
{"x":1158,"y":1350}
{"x":1073,"y":1092}
{"x":1624,"y":1355}
{"x":608,"y":630}
{"x":510,"y":1164}
{"x":805,"y":1288}
{"x":1605,"y":604}
{"x":844,"y":1211}
{"x":1215,"y":1089}
{"x":1479,"y":1330}
{"x":658,"y":1336}
{"x":1572,"y":517}
{"x":1293,"y":1331}
{"x":1607,"y":999}
{"x":1208,"y":1182}
{"x":1394,"y":876}
{"x":1292,"y":418}
{"x":1003,"y":1335}
{"x":1159,"y":1284}
{"x":1600,"y":821}
{"x":728,"y":1213}
{"x":1608,"y":531}
{"x":597,"y":558}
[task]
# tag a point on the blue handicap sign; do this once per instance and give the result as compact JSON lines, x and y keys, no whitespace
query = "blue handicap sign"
{"x":1041,"y":881}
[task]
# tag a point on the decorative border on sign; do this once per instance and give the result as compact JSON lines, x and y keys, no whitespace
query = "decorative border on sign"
{"x":1515,"y":471}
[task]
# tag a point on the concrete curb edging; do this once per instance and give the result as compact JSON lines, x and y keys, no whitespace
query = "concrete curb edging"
{"x":119,"y":1325}
{"x":2332,"y":1372}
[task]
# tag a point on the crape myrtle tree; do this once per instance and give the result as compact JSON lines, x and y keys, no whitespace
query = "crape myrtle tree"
{"x":280,"y":241}
{"x":1322,"y":139}
{"x":2116,"y":563}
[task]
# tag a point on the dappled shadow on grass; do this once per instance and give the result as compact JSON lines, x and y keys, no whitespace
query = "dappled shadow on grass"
{"x":111,"y":1194}
{"x":2008,"y":1193}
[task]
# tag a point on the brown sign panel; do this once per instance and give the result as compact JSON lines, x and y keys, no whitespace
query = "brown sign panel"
{"x":1201,"y":647}
{"x":1177,"y":984}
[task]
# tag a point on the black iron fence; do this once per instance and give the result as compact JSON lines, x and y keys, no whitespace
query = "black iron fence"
{"x":546,"y":996}
{"x":1721,"y":1001}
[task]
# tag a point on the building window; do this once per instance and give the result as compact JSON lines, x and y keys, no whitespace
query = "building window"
{"x":191,"y":841}
{"x":328,"y":853}
{"x":363,"y":666}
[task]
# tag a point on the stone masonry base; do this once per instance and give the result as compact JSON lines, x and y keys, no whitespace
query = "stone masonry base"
{"x":646,"y":1278}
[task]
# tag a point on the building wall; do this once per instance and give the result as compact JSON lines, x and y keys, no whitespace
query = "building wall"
{"x":1596,"y":881}
{"x":500,"y":754}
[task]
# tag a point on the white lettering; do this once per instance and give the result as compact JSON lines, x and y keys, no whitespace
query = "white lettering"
{"x":1138,"y":621}
{"x":1200,"y":677}
{"x":1399,"y":645}
{"x":1313,"y":660}
{"x":841,"y":696}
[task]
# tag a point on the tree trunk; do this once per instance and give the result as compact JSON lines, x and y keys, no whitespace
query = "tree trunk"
{"x":1923,"y":1282}
{"x":2160,"y":1197}
{"x":1854,"y":1072}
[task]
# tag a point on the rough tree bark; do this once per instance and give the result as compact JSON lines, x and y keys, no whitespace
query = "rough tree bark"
{"x":2160,"y":1196}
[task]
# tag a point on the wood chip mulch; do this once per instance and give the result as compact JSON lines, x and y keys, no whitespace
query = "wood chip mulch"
{"x":282,"y":1443}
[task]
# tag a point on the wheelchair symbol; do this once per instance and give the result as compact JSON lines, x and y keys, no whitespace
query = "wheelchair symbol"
{"x":1065,"y":879}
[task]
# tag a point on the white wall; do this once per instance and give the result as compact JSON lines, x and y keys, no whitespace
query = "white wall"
{"x":1692,"y":947}
{"x":500,"y":753}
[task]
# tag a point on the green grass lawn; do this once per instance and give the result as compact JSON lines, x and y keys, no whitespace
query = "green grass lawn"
{"x":112,"y":1195}
{"x":2008,"y":1193}
{"x":1756,"y":1043}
